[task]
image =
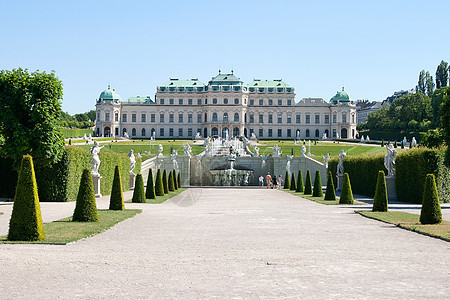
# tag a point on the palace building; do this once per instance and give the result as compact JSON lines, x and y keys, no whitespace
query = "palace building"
{"x":225,"y":106}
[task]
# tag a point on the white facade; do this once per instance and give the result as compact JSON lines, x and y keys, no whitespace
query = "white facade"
{"x":225,"y":106}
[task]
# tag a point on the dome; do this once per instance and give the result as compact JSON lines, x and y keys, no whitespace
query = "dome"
{"x":109,"y":95}
{"x":341,"y":96}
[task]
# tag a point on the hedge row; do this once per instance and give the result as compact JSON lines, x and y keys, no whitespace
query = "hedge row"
{"x":60,"y":182}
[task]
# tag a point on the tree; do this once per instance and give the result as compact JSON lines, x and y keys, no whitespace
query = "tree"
{"x":138,"y":193}
{"x":293,"y":186}
{"x":159,"y":185}
{"x":308,"y":183}
{"x":330,"y":193}
{"x":165,"y":182}
{"x":380,"y":201}
{"x":171,"y":182}
{"x":150,"y":191}
{"x":85,"y":208}
{"x":445,"y":121}
{"x":431,"y":208}
{"x":317,"y":191}
{"x":179,"y":180}
{"x":421,"y":84}
{"x":429,"y":83}
{"x":287,"y":184}
{"x":436,"y":101}
{"x":116,"y":199}
{"x":300,"y":186}
{"x":442,"y":75}
{"x":91,"y":115}
{"x":30,"y":108}
{"x":26,"y":220}
{"x":346,"y":193}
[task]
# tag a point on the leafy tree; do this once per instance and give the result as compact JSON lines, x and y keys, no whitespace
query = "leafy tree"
{"x":431,"y":208}
{"x":380,"y":201}
{"x":138,"y":193}
{"x":330,"y":193}
{"x":430,"y":83}
{"x":159,"y":185}
{"x":287,"y":184}
{"x":436,"y":101}
{"x":433,"y":138}
{"x":293,"y":186}
{"x":150,"y":191}
{"x":26,"y":220}
{"x":421,"y":84}
{"x":92,"y":115}
{"x":442,"y":74}
{"x":445,"y":120}
{"x":116,"y":199}
{"x":85,"y":208}
{"x":308,"y":183}
{"x":317,"y":191}
{"x":31,"y":105}
{"x":346,"y":193}
{"x":300,"y":186}
{"x":165,"y":182}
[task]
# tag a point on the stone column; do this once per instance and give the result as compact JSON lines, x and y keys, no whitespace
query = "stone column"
{"x":132,"y":180}
{"x":390,"y":187}
{"x":340,"y":180}
{"x":96,"y":179}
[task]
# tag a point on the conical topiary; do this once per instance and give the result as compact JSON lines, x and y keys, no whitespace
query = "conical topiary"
{"x":175,"y":182}
{"x":380,"y":200}
{"x":165,"y":182}
{"x":139,"y":193}
{"x":150,"y":191}
{"x":179,"y":180}
{"x":308,"y":183}
{"x":300,"y":187}
{"x":159,"y":185}
{"x":85,"y":208}
{"x":330,"y":193}
{"x":287,"y":184}
{"x":395,"y":144}
{"x":171,"y":182}
{"x":431,"y":208}
{"x":26,"y":219}
{"x":382,"y":142}
{"x":317,"y":191}
{"x":293,"y":183}
{"x":116,"y":199}
{"x":346,"y":193}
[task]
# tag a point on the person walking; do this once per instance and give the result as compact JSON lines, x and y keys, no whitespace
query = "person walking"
{"x":268,"y":180}
{"x":261,"y":180}
{"x":274,"y":182}
{"x":280,"y":181}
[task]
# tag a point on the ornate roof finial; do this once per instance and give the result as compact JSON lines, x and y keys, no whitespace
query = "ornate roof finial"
{"x":219,"y":71}
{"x":109,"y":87}
{"x":342,"y":88}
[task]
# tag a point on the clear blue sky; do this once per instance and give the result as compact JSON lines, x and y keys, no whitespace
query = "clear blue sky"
{"x":373,"y":49}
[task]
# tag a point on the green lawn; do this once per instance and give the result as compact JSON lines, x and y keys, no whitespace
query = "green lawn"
{"x":319,"y":199}
{"x":65,"y":231}
{"x":161,"y":199}
{"x":73,"y":132}
{"x":410,"y":222}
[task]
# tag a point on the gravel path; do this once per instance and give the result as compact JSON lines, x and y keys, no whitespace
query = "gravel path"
{"x":231,"y":243}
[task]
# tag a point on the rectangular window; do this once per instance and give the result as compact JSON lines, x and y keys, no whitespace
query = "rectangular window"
{"x":133,"y":118}
{"x":161,"y":101}
{"x":143,"y":118}
{"x":289,"y":119}
{"x":171,"y":101}
{"x":308,"y":119}
{"x":260,"y":133}
{"x":280,"y":119}
{"x":161,"y":118}
{"x":170,"y":131}
{"x":252,"y":132}
{"x":261,"y":102}
{"x":344,"y":118}
{"x":189,"y":101}
{"x":280,"y":102}
{"x":189,"y":118}
{"x":153,"y":118}
{"x":261,"y":118}
{"x":270,"y":119}
{"x":317,"y":119}
{"x":252,"y":118}
{"x":199,"y":101}
{"x":327,"y":119}
{"x":199,"y":118}
{"x":252,"y":102}
{"x":270,"y":132}
{"x":106,"y":116}
{"x":334,"y":133}
{"x":199,"y":131}
{"x":270,"y":102}
{"x":180,"y":101}
{"x":180,"y":131}
{"x":116,"y":117}
{"x":279,"y":133}
{"x":334,"y":118}
{"x":98,"y":116}
{"x":289,"y":102}
{"x":124,"y":118}
{"x":180,"y":118}
{"x":289,"y":133}
{"x":161,"y":132}
{"x":189,"y":131}
{"x":297,"y":119}
{"x":170,"y":118}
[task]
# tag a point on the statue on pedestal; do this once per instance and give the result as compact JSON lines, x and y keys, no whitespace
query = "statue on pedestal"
{"x":132,"y":161}
{"x":303,"y":149}
{"x":160,"y":150}
{"x":389,"y":159}
{"x":95,"y":150}
{"x":276,"y":151}
{"x":255,"y":151}
{"x":326,"y":159}
{"x":340,"y":166}
{"x":187,"y":150}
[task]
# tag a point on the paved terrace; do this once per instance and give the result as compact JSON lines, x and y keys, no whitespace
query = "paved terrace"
{"x":230,"y":243}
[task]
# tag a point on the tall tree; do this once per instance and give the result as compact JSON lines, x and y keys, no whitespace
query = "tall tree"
{"x":421,"y":84}
{"x":31,"y":105}
{"x":442,"y":74}
{"x":429,"y":83}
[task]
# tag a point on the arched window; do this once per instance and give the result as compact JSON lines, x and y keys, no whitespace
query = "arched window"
{"x":133,"y":132}
{"x":307,"y":132}
{"x":235,"y":131}
{"x":153,"y":131}
{"x":297,"y":134}
{"x":124,"y":131}
{"x":143,"y":132}
{"x":225,"y":117}
{"x":317,"y":133}
{"x":214,"y":132}
{"x":214,"y":117}
{"x":225,"y":101}
{"x":236,"y":101}
{"x":236,"y":117}
{"x":214,"y":101}
{"x":326,"y":132}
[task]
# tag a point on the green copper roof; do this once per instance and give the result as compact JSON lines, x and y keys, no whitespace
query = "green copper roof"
{"x":268,"y":83}
{"x":174,"y":82}
{"x":225,"y":79}
{"x":109,"y":95}
{"x":139,"y":99}
{"x":341,"y":96}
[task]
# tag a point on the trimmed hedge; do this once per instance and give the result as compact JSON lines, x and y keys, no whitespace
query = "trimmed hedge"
{"x":165,"y":182}
{"x":346,"y":193}
{"x":175,"y":181}
{"x":179,"y":180}
{"x":317,"y":191}
{"x":287,"y":183}
{"x":431,"y":209}
{"x":308,"y":183}
{"x":159,"y":185}
{"x":300,"y":186}
{"x":171,"y":182}
{"x":86,"y":208}
{"x":138,"y":193}
{"x":380,"y":201}
{"x":150,"y":191}
{"x":26,"y":219}
{"x":116,"y":199}
{"x":330,"y":193}
{"x":293,"y":183}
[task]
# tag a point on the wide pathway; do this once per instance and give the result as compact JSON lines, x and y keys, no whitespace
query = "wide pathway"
{"x":232,"y":243}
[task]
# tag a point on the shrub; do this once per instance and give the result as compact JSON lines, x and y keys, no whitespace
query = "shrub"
{"x":26,"y":220}
{"x":330,"y":193}
{"x":171,"y":182}
{"x":179,"y":180}
{"x":85,"y":208}
{"x":8,"y":178}
{"x":380,"y":201}
{"x":346,"y":193}
{"x":293,"y":183}
{"x":395,"y":144}
{"x":317,"y":192}
{"x":175,"y":181}
{"x":300,"y":186}
{"x":382,"y":142}
{"x":165,"y":182}
{"x":431,"y":209}
{"x":287,"y":184}
{"x":116,"y":200}
{"x":308,"y":183}
{"x":150,"y":191}
{"x":138,"y":193}
{"x":159,"y":185}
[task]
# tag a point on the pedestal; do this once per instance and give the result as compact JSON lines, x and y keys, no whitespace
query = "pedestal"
{"x":132,"y":179}
{"x":340,"y":180}
{"x":96,"y":179}
{"x":390,"y":187}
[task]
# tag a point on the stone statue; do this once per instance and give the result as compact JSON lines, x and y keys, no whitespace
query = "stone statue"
{"x":138,"y":155}
{"x":324,"y":137}
{"x":95,"y":150}
{"x":367,"y":139}
{"x":362,"y":139}
{"x":160,"y":150}
{"x":340,"y":166}
{"x":414,"y":142}
{"x":197,"y":136}
{"x":326,"y":159}
{"x":253,"y":136}
{"x":255,"y":151}
{"x":389,"y":159}
{"x":132,"y":161}
{"x":187,"y":150}
{"x":303,"y":149}
{"x":276,"y":151}
{"x":405,"y":141}
{"x":125,"y":135}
